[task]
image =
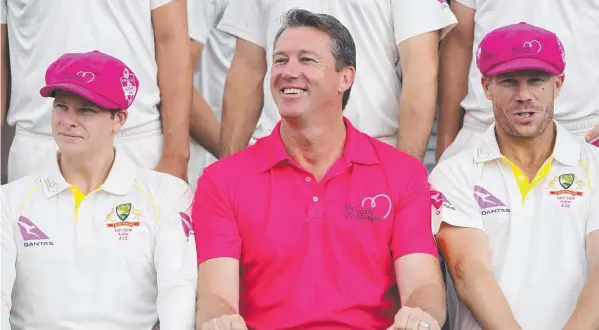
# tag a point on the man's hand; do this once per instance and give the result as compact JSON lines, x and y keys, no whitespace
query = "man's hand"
{"x":173,"y":166}
{"x":225,"y":322}
{"x":593,"y":136}
{"x":409,"y":318}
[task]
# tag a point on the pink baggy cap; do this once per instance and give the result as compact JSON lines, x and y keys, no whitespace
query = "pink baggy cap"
{"x":100,"y":78}
{"x":519,"y":47}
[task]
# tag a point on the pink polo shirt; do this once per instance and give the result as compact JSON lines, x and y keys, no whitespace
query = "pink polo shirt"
{"x":315,"y":255}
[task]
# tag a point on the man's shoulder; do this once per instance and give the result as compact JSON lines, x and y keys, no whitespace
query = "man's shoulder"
{"x":589,"y":154}
{"x":22,"y":185}
{"x":159,"y":184}
{"x":244,"y":162}
{"x":461,"y":164}
{"x":394,"y":158}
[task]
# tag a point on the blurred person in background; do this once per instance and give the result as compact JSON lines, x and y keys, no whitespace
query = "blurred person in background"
{"x":151,"y":35}
{"x":212,"y":51}
{"x":394,"y":97}
{"x":465,"y":112}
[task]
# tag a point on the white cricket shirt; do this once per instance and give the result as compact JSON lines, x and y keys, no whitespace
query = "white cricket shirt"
{"x":121,"y":257}
{"x":576,"y":23}
{"x":219,"y":47}
{"x":536,"y":229}
{"x":377,"y":27}
{"x":39,"y":32}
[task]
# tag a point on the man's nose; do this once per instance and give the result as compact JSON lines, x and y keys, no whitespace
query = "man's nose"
{"x":291,"y":70}
{"x":524,"y":93}
{"x":69,"y":118}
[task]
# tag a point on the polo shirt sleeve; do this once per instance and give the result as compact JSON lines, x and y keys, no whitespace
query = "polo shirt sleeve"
{"x":412,"y":223}
{"x":415,"y":17}
{"x":201,"y":19}
{"x":244,"y":19}
{"x":467,"y":3}
{"x":593,"y":220}
{"x":9,"y":257}
{"x":174,"y":259}
{"x":159,"y":3}
{"x":453,"y":199}
{"x":214,"y":221}
{"x":3,"y":12}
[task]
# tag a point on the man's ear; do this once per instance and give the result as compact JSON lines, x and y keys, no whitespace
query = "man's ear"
{"x":347,"y":79}
{"x":558,"y":83}
{"x":486,"y":83}
{"x":119,"y":118}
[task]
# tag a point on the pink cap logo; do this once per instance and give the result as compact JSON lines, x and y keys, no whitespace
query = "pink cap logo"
{"x":562,"y":50}
{"x":129,"y":86}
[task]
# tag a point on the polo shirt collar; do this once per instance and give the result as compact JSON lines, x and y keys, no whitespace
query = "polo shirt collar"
{"x":119,"y":181}
{"x":358,"y":148}
{"x":565,"y":151}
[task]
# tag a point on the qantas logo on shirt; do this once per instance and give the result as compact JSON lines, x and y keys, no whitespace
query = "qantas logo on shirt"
{"x":32,"y":235}
{"x":439,"y":200}
{"x":187,"y":226}
{"x":488,"y":203}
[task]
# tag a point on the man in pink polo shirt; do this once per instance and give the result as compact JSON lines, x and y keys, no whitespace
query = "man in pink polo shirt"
{"x":316,"y":226}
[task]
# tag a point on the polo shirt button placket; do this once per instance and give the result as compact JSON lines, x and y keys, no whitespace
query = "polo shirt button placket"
{"x":315,"y":207}
{"x":84,"y":223}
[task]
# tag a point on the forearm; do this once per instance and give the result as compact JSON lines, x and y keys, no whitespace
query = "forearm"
{"x":175,"y":83}
{"x":453,"y":87}
{"x":416,"y":116}
{"x":205,"y":126}
{"x":586,"y":314}
{"x":431,"y":299}
{"x":210,"y":306}
{"x":477,"y":288}
{"x":242,"y":107}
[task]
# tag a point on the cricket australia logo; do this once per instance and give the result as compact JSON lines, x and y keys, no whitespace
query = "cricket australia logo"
{"x":569,"y":188}
{"x":127,"y":218}
{"x":123,"y":210}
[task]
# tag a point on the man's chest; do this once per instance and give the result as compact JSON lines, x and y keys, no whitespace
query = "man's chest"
{"x":294,"y":214}
{"x":554,"y":204}
{"x":112,"y":230}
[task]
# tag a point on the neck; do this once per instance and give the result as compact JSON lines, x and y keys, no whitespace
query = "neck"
{"x":89,"y":172}
{"x":315,"y":146}
{"x":525,"y":152}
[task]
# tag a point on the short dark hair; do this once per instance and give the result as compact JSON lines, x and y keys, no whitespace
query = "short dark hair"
{"x":342,"y":42}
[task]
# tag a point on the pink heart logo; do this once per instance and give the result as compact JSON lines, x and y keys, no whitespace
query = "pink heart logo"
{"x":380,"y":205}
{"x":534,"y":45}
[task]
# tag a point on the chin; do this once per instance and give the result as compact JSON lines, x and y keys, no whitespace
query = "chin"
{"x":290,"y":112}
{"x":72,"y":148}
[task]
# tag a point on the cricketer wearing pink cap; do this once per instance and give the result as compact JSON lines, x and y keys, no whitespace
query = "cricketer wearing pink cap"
{"x":93,"y":241}
{"x":517,"y":214}
{"x":317,"y":225}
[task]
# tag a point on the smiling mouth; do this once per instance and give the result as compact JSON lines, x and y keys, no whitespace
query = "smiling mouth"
{"x":292,"y":91}
{"x":525,"y":114}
